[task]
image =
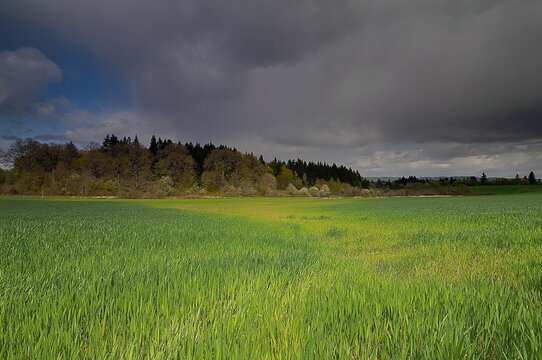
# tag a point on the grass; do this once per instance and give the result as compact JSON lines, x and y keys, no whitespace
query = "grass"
{"x":438,"y":278}
{"x":505,"y":189}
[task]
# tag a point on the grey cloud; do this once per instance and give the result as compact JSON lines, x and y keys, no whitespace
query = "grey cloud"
{"x":247,"y":32}
{"x":351,"y":78}
{"x":24,"y":74}
{"x":444,"y":151}
{"x":190,"y":59}
{"x":429,"y":76}
{"x":444,"y":159}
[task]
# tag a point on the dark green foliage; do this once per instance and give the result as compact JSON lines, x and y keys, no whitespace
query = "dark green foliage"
{"x":313,"y":171}
{"x":153,"y":147}
{"x":276,"y":166}
{"x":199,"y":154}
{"x":532,"y":178}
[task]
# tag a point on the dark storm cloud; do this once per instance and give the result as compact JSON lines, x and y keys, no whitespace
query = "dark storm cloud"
{"x":422,"y":77}
{"x":427,"y":80}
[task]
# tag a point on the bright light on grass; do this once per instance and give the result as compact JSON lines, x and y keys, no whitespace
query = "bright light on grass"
{"x":272,"y":278}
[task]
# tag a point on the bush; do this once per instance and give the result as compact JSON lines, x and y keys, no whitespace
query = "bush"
{"x":313,"y":191}
{"x":231,"y":190}
{"x":164,"y":187}
{"x":287,"y":177}
{"x":72,"y":185}
{"x":324,"y":190}
{"x":267,"y":183}
{"x":291,"y":189}
{"x":247,"y":189}
{"x":104,"y":187}
{"x":367,"y":193}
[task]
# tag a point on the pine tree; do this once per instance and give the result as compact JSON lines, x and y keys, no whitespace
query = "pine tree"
{"x":114,"y":140}
{"x":532,"y":178}
{"x":153,"y":148}
{"x":160,"y":145}
{"x":106,"y":143}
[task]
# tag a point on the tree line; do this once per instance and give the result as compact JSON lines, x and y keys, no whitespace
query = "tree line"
{"x":403,"y":182}
{"x":127,"y":168}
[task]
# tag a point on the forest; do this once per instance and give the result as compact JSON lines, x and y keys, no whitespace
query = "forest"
{"x":124,"y":167}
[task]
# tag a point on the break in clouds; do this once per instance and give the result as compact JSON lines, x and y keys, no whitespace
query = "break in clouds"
{"x":390,"y":87}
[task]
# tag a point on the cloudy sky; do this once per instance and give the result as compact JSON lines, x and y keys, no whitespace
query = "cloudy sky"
{"x":425,"y":87}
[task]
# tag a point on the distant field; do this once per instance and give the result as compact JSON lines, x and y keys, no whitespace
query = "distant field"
{"x":505,"y":189}
{"x":435,"y":278}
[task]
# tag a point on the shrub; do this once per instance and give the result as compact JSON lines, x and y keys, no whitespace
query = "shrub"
{"x":324,"y":190}
{"x":291,"y":189}
{"x":247,"y":189}
{"x":267,"y":182}
{"x":231,"y":190}
{"x":313,"y":191}
{"x":366,"y":193}
{"x":164,"y":186}
{"x":104,"y":187}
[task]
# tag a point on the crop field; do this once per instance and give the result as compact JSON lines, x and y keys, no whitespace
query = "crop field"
{"x":272,"y":278}
{"x":505,"y":189}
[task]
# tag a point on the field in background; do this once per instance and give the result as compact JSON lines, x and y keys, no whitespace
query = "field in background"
{"x":504,"y":189}
{"x":457,"y":277}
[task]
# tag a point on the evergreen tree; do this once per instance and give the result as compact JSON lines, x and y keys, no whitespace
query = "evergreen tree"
{"x":483,"y":179}
{"x":532,"y":178}
{"x":153,"y":148}
{"x":106,"y":143}
{"x":113,"y":140}
{"x":159,"y":144}
{"x":276,"y":166}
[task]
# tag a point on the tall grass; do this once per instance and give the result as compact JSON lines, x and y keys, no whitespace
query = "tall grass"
{"x":272,"y":278}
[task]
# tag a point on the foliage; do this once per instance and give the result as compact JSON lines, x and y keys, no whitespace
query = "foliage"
{"x":268,"y":185}
{"x":532,"y":178}
{"x":291,"y":189}
{"x":313,"y":171}
{"x":125,"y":168}
{"x":324,"y":190}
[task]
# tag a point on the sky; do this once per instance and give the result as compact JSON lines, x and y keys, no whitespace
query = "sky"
{"x":391,"y":88}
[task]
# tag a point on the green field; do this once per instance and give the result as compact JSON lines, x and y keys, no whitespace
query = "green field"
{"x":504,"y":189}
{"x":435,"y":278}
